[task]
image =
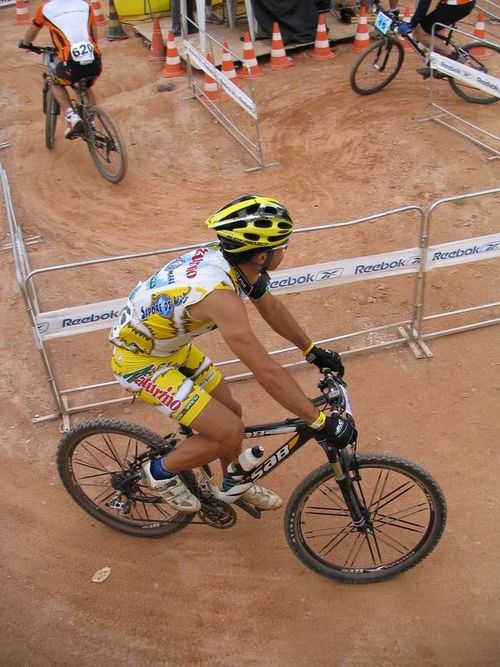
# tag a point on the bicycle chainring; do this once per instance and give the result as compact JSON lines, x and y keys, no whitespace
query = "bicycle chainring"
{"x":217,"y":514}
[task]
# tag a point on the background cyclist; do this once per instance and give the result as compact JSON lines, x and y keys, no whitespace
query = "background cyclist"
{"x":73,"y":30}
{"x":154,"y":356}
{"x":446,"y":12}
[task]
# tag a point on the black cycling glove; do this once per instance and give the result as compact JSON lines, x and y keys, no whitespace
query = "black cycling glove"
{"x":337,"y":430}
{"x":325,"y":359}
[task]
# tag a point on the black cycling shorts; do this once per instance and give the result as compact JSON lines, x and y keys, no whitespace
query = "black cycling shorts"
{"x":447,"y":15}
{"x":68,"y":72}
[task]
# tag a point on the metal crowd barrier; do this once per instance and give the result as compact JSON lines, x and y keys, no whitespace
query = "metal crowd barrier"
{"x":407,"y":330}
{"x":244,"y":128}
{"x":458,"y":123}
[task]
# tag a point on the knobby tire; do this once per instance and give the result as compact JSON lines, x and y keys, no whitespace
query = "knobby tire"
{"x":51,"y":111}
{"x":107,"y":148}
{"x":408,"y":513}
{"x":92,"y":452}
{"x":365,"y":78}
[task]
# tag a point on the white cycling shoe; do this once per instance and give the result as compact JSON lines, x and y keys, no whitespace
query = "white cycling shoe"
{"x":173,"y":491}
{"x":74,"y":125}
{"x":262,"y":498}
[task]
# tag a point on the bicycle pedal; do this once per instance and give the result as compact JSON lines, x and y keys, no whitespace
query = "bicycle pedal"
{"x":74,"y":135}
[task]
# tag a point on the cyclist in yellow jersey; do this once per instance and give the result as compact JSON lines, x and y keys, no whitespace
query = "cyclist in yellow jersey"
{"x":154,"y":356}
{"x":446,"y":12}
{"x":73,"y":30}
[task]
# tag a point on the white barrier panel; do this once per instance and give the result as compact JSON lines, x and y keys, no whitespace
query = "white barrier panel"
{"x":209,"y":68}
{"x":485,"y":82}
{"x":102,"y":315}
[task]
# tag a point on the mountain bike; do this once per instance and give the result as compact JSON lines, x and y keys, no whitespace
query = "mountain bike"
{"x":100,"y":133}
{"x":381,"y":62}
{"x":357,"y":518}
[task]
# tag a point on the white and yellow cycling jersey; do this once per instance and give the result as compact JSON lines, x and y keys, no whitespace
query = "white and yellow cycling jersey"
{"x":155,"y":320}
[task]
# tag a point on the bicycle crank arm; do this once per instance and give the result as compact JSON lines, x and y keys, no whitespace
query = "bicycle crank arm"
{"x":249,"y":509}
{"x":145,"y":499}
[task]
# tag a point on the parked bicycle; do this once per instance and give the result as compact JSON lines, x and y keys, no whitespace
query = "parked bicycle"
{"x":358,"y":518}
{"x":105,"y":143}
{"x":381,"y":62}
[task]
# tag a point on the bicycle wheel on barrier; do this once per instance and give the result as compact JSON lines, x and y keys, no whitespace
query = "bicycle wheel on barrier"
{"x":106,"y":146}
{"x":408,"y":516}
{"x":100,"y":456}
{"x":486,"y":59}
{"x":51,"y":112}
{"x":377,"y":66}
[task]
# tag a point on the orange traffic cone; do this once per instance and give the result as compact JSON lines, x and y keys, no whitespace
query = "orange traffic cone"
{"x":251,"y":68}
{"x":279,"y":59}
{"x":479,"y":52}
{"x":99,"y":15}
{"x":228,"y":65}
{"x":157,"y":50}
{"x":362,"y":36}
{"x":22,"y":15}
{"x":322,"y":50}
{"x":210,"y":85}
{"x":173,"y":66}
{"x":406,"y":44}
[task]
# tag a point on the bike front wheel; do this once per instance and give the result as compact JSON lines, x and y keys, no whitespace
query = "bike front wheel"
{"x":106,"y":146}
{"x":98,"y":462}
{"x":377,"y":66}
{"x":485,"y":58}
{"x":407,"y":515}
{"x":51,"y":112}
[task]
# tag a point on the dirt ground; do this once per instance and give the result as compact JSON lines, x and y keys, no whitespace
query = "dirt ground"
{"x":221,"y":598}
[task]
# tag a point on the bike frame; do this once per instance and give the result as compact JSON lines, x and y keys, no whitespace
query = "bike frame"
{"x":422,"y":53}
{"x":338,"y":459}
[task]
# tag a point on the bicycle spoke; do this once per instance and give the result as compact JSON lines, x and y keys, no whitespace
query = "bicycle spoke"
{"x":400,"y":512}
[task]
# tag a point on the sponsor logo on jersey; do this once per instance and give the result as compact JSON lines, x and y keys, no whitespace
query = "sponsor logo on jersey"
{"x":174,"y":264}
{"x":161,"y":305}
{"x":165,"y":396}
{"x":196,"y":260}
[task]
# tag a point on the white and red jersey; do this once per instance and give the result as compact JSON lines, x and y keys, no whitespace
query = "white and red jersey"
{"x":156,"y":319}
{"x":69,"y":23}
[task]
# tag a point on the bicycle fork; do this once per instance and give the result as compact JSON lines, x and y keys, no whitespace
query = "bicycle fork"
{"x":360,"y":515}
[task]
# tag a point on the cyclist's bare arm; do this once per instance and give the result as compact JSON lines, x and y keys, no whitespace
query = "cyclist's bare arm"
{"x":30,"y":34}
{"x":227,"y":310}
{"x":282,"y":321}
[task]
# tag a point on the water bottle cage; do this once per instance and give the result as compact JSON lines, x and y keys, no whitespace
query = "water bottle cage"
{"x":235,"y":471}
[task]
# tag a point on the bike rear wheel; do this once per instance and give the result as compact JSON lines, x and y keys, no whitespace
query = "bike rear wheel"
{"x":51,"y":113}
{"x":408,"y":516}
{"x":106,"y":146}
{"x":486,"y":59}
{"x":94,"y":460}
{"x":377,"y":67}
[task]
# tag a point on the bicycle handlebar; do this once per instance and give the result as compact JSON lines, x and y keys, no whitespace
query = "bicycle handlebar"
{"x":335,"y":391}
{"x":36,"y":49}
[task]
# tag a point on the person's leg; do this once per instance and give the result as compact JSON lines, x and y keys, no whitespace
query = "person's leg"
{"x":61,"y":79}
{"x":61,"y":95}
{"x":446,"y":15}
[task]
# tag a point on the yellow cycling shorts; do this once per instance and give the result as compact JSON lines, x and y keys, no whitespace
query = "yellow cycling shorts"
{"x":178,"y":385}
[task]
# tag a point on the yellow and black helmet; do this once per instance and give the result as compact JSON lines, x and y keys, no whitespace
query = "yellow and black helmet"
{"x":250,"y":223}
